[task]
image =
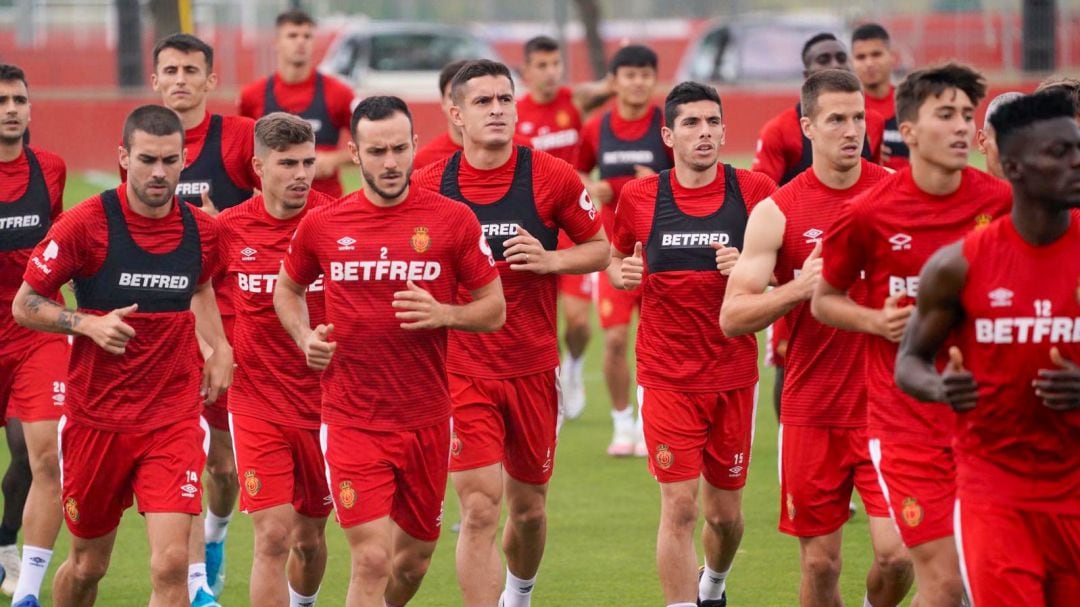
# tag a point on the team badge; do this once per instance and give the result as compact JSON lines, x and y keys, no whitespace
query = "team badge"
{"x":562,"y":119}
{"x":71,"y":508}
{"x":347,"y":495}
{"x":664,"y":457}
{"x":606,"y":307}
{"x":252,"y":484}
{"x":455,"y":445}
{"x":912,"y":512}
{"x":982,"y":220}
{"x":421,"y":240}
{"x":790,"y":507}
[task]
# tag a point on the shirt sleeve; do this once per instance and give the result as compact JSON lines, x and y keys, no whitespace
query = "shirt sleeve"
{"x":341,"y":103}
{"x":575,"y":212}
{"x":210,"y":238}
{"x":769,"y":156}
{"x":875,"y":134}
{"x":845,"y":247}
{"x":427,"y":178}
{"x":301,"y":261}
{"x":476,"y":266}
{"x":585,"y":159}
{"x":755,"y":187}
{"x":70,"y":249}
{"x":624,"y":235}
{"x":247,"y":104}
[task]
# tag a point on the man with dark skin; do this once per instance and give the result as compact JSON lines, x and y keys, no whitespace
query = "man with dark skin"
{"x":1007,"y":298}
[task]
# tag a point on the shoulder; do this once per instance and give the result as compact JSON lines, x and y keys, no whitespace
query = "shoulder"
{"x":241,"y":124}
{"x":986,"y":184}
{"x":318,"y":200}
{"x":429,"y":175}
{"x":592,"y":125}
{"x":874,"y":120}
{"x":552,"y":169}
{"x":753,"y":181}
{"x":779,"y":123}
{"x":89,"y":210}
{"x":335,"y":85}
{"x":873,"y":172}
{"x":234,"y":216}
{"x":441,"y":206}
{"x":254,"y":89}
{"x":48,"y":160}
{"x":637,"y":189}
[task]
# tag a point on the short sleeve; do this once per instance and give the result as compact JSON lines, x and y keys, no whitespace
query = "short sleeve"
{"x":624,"y":235}
{"x":475,"y":265}
{"x":301,"y":260}
{"x":67,"y":251}
{"x":769,"y":155}
{"x":575,"y":212}
{"x":212,"y":245}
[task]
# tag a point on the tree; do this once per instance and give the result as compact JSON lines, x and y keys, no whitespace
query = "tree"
{"x":589,"y":10}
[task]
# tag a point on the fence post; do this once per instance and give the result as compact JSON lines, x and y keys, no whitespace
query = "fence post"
{"x":1039,"y":43}
{"x":129,"y":44}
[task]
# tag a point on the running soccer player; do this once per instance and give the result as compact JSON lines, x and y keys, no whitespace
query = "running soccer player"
{"x":33,"y":365}
{"x":888,"y":232}
{"x":985,"y":139}
{"x":296,"y":87}
{"x":823,"y":449}
{"x":217,"y":174}
{"x":394,"y":257}
{"x":505,"y":385}
{"x":141,"y":262}
{"x":873,"y":60}
{"x":678,"y":235}
{"x":1007,"y":300}
{"x":623,"y":143}
{"x":550,"y":113}
{"x":274,"y":406}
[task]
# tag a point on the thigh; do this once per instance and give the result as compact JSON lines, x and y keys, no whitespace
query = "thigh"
{"x":731,"y":437}
{"x":166,"y":478}
{"x":577,"y":293}
{"x":360,"y":472}
{"x":919,"y":484}
{"x":421,"y":482}
{"x":96,"y":477}
{"x":615,"y":307}
{"x":866,"y":479}
{"x":217,"y":412}
{"x":264,"y":463}
{"x":479,"y":430}
{"x":531,"y":418}
{"x":676,"y":430}
{"x":38,"y":388}
{"x":311,"y":495}
{"x":815,"y":480}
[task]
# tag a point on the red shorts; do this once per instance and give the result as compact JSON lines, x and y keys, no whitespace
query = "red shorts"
{"x":919,"y":483}
{"x":614,"y":306}
{"x":581,"y":286}
{"x":217,"y":412}
{"x":279,"y":464}
{"x":819,"y":467}
{"x":402,"y":475}
{"x":693,"y":434}
{"x":510,"y":421}
{"x":102,"y":470}
{"x":32,"y":380}
{"x":1017,"y":557}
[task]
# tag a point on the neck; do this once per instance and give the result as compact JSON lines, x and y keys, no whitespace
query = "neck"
{"x":292,"y":73}
{"x":11,"y":151}
{"x":141,"y":208}
{"x":877,"y":91}
{"x":485,"y":158}
{"x":1039,"y":223}
{"x":691,"y":179}
{"x":835,"y":178}
{"x":192,"y":118}
{"x":542,"y":97}
{"x":454,"y":131}
{"x":385,"y":203}
{"x":276,"y":207}
{"x":630,"y":112}
{"x":934,"y":179}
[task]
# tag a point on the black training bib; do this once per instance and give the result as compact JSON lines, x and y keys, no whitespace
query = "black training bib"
{"x":24,"y":222}
{"x":316,"y":113}
{"x":208,"y":173}
{"x":617,"y":157}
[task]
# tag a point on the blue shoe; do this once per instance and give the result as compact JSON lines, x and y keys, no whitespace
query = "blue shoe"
{"x":202,"y":599}
{"x":27,"y":601}
{"x":215,"y":566}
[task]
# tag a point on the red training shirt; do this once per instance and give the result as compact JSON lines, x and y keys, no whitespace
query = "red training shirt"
{"x":780,"y":144}
{"x":886,"y":108}
{"x":889,"y":232}
{"x":156,"y":381}
{"x":552,"y":127}
{"x":443,"y":147}
{"x":383,"y":377}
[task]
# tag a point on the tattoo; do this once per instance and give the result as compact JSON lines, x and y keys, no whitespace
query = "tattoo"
{"x":67,"y":320}
{"x":35,"y":301}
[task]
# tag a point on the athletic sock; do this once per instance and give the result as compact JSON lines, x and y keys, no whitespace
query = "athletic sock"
{"x":8,"y":535}
{"x":196,"y":580}
{"x":35,"y":563}
{"x":518,"y":592}
{"x":298,"y":600}
{"x":216,"y":527}
{"x":576,"y":365}
{"x":711,"y":586}
{"x":682,"y":605}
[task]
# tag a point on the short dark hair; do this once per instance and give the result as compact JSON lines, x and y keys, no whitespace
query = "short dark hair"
{"x":378,"y":107}
{"x":540,"y":44}
{"x":448,"y":72}
{"x":155,"y":120}
{"x":826,"y":81}
{"x":933,"y":81}
{"x":279,"y":131}
{"x":185,"y":43}
{"x":1020,"y":113}
{"x":1070,"y":86}
{"x":688,"y":92}
{"x":819,"y":37}
{"x":10,"y":72}
{"x":477,"y":68}
{"x":293,"y":17}
{"x":634,"y":55}
{"x":870,"y":31}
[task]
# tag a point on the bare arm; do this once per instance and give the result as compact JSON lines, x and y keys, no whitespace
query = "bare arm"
{"x":35,"y":311}
{"x":626,"y":271}
{"x":290,"y":303}
{"x":525,"y":253}
{"x":600,"y":190}
{"x":218,"y":368}
{"x":833,"y":307}
{"x":326,"y":162}
{"x":588,"y":96}
{"x":418,"y":309}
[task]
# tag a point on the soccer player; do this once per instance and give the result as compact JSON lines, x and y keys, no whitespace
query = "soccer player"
{"x":505,"y":385}
{"x":678,"y":235}
{"x":274,"y":405}
{"x":985,"y":139}
{"x":1006,"y":299}
{"x":550,"y":113}
{"x":325,"y":102}
{"x":823,"y":423}
{"x":394,"y":257}
{"x":623,"y":143}
{"x":218,"y":174}
{"x":888,"y":232}
{"x":141,"y":262}
{"x":33,"y":365}
{"x":783,"y":151}
{"x":873,"y":60}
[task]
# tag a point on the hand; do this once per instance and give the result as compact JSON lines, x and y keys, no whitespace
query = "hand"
{"x":420,"y":308}
{"x":632,"y":269}
{"x":811,"y":273}
{"x":641,"y":170}
{"x":1059,"y":388}
{"x":326,"y":164}
{"x":893,"y":319}
{"x":208,"y":205}
{"x":958,"y":385}
{"x":217,"y":374}
{"x":318,"y":348}
{"x":524,"y":253}
{"x":725,"y":258}
{"x":110,"y":331}
{"x":601,"y":191}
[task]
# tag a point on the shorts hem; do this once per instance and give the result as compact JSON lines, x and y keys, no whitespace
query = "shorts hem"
{"x":92,"y":535}
{"x":806,"y":534}
{"x":475,"y":466}
{"x":929,"y":538}
{"x":527,"y":481}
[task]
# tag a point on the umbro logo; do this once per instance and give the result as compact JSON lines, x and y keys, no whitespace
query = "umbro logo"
{"x":248,"y":254}
{"x":900,"y":242}
{"x":188,"y":490}
{"x":346,"y":243}
{"x":1001,"y":298}
{"x":813,"y":235}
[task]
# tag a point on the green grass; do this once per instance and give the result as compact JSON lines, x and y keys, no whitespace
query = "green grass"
{"x":602,"y":526}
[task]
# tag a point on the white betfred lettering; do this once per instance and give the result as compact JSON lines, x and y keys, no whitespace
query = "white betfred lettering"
{"x":353,"y":271}
{"x":192,"y":188}
{"x":904,"y":285}
{"x":163,"y":282}
{"x":1027,"y":330}
{"x":21,"y":221}
{"x":319,"y":284}
{"x":678,"y":240}
{"x":256,"y":283}
{"x":627,"y":157}
{"x":558,"y":139}
{"x":499,"y":229}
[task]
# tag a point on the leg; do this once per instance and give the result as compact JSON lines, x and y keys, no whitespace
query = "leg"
{"x":168,"y":534}
{"x":676,"y":559}
{"x":891,"y":575}
{"x":222,"y":486}
{"x":819,"y":558}
{"x":576,"y":336}
{"x":937,"y":573}
{"x":411,"y":559}
{"x":16,"y":488}
{"x":307,"y":557}
{"x":616,"y":367}
{"x":525,"y":535}
{"x":371,"y":549}
{"x":76,"y":581}
{"x":273,"y":527}
{"x":723,"y":526}
{"x":578,"y":329}
{"x":42,"y":515}
{"x":478,"y":563}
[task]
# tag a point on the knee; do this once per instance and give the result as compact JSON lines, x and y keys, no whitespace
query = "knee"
{"x":681,"y":513}
{"x":371,"y":562}
{"x":532,"y":517}
{"x":823,"y":568}
{"x":271,"y":541}
{"x":309,"y":548}
{"x":223,"y":471}
{"x":724,"y":520}
{"x":46,"y":468}
{"x":411,"y":569}
{"x":615,"y":343}
{"x":894,"y":563}
{"x":168,"y":566}
{"x":479,"y":511}
{"x":87,"y":570}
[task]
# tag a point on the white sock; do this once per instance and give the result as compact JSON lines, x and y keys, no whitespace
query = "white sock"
{"x":298,"y":600}
{"x":576,"y":366}
{"x":196,"y":580}
{"x":683,"y":605}
{"x":216,"y":527}
{"x":35,"y":563}
{"x":866,"y":601}
{"x":518,"y":592}
{"x":623,"y":418}
{"x":711,"y":586}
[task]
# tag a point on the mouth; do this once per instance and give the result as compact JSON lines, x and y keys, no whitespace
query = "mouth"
{"x":851,"y":149}
{"x":12,"y":122}
{"x":299,"y":189}
{"x":959,"y":147}
{"x":157,"y":188}
{"x":496,"y":125}
{"x":704,"y":148}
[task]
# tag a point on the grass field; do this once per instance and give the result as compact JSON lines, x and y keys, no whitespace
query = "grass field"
{"x":602,"y":525}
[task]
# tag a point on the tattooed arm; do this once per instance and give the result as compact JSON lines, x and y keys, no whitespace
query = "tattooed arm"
{"x":35,"y":311}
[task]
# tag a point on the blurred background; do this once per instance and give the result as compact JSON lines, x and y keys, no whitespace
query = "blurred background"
{"x":88,"y":61}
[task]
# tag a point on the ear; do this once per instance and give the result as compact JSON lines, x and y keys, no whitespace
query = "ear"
{"x":455,"y":115}
{"x":980,"y":140}
{"x":907,"y":133}
{"x":1011,"y":169}
{"x":211,"y":81}
{"x":668,"y":136}
{"x":723,"y":135}
{"x":125,"y":158}
{"x":354,"y":151}
{"x":415,"y":142}
{"x":257,"y":164}
{"x":154,"y":81}
{"x":805,"y":123}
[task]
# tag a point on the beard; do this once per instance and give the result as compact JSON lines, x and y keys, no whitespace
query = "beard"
{"x":369,"y":179}
{"x":153,"y":200}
